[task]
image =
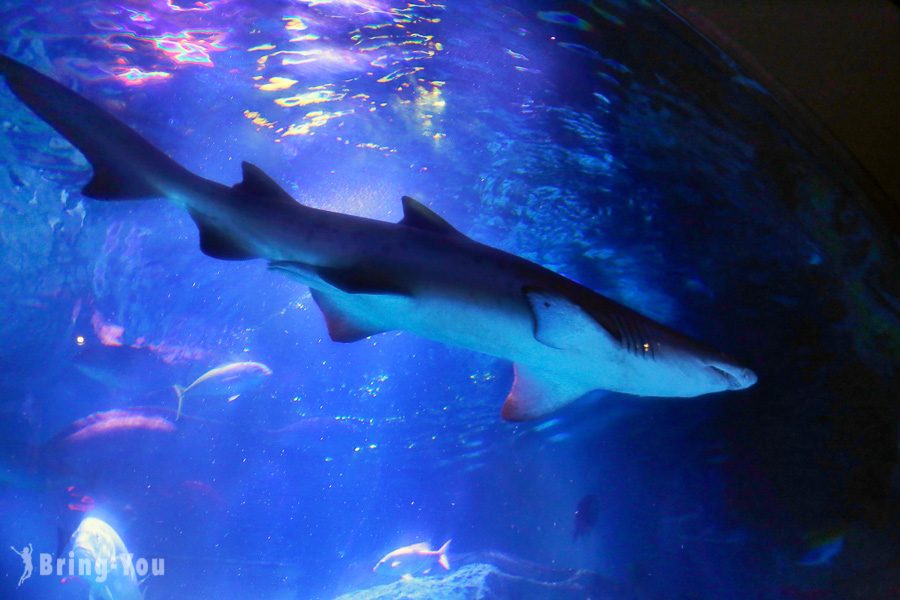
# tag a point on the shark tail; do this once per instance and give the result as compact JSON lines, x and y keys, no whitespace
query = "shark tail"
{"x":126,"y":166}
{"x":179,"y":393}
{"x":442,"y":555}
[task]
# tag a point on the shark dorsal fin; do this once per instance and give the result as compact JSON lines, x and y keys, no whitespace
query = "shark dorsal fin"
{"x":260,"y":186}
{"x":416,"y":214}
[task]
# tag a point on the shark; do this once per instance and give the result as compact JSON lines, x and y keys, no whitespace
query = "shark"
{"x":420,"y":275}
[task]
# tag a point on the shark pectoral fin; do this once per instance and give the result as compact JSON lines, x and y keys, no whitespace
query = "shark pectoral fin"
{"x":343,"y":326}
{"x":362,"y":280}
{"x":219,"y":245}
{"x":560,"y":323}
{"x":416,"y":214}
{"x":535,"y":394}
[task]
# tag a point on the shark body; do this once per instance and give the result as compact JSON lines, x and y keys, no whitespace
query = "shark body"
{"x":419,"y":275}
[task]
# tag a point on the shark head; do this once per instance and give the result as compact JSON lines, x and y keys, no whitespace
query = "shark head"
{"x":727,"y":375}
{"x":687,"y":368}
{"x":618,"y":349}
{"x":610,"y":347}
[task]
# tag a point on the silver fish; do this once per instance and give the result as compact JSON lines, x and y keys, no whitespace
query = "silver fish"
{"x":227,"y":381}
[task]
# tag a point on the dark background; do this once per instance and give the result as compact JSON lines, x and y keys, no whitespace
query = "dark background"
{"x":839,"y":58}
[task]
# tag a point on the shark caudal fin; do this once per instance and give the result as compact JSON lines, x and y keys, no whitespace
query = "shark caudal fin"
{"x":126,"y":166}
{"x":442,"y":555}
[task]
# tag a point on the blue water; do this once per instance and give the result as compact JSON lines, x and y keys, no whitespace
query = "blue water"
{"x":606,"y":141}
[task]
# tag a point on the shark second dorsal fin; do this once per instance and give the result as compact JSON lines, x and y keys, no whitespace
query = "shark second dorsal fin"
{"x":257,"y":184}
{"x":416,"y":214}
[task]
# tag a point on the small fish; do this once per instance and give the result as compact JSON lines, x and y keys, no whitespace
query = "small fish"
{"x":415,"y":559}
{"x":586,"y":514}
{"x":823,"y":547}
{"x":228,"y":381}
{"x":109,"y":441}
{"x":110,"y":423}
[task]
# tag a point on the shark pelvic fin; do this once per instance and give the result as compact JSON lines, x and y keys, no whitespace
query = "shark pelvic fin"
{"x":416,"y":214}
{"x":560,"y":323}
{"x":216,"y":244}
{"x":535,"y":394}
{"x":342,"y":326}
{"x":260,"y":186}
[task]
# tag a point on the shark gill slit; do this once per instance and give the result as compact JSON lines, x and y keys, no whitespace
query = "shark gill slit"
{"x":628,"y":340}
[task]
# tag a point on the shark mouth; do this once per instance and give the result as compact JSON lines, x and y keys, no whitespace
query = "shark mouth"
{"x":735,"y":381}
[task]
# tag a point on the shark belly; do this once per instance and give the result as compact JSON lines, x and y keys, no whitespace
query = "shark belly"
{"x":490,"y":327}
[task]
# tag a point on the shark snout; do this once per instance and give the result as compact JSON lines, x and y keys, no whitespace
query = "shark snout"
{"x":734,"y":377}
